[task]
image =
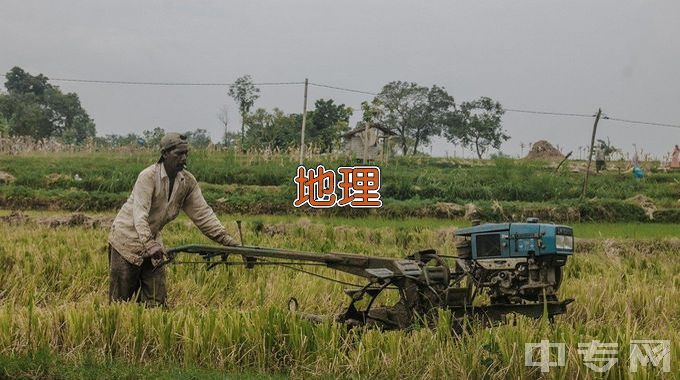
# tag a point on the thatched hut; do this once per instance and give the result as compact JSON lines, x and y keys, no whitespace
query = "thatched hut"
{"x":367,"y":141}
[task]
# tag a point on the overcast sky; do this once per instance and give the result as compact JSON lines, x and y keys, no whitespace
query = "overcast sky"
{"x":563,"y":56}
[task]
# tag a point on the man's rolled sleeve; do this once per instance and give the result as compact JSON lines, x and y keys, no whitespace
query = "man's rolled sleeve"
{"x":204,"y":218}
{"x":142,"y":194}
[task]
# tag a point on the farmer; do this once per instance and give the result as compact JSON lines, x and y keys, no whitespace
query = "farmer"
{"x":599,"y":158}
{"x":135,"y":243}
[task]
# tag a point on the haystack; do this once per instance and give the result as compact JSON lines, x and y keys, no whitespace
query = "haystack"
{"x":6,"y":178}
{"x":543,"y":150}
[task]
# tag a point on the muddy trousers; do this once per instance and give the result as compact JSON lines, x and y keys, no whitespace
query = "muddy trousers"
{"x":140,"y":283}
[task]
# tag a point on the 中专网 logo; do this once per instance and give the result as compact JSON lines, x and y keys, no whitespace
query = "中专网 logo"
{"x":599,"y":356}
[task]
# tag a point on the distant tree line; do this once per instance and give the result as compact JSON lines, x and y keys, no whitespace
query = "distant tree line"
{"x":415,"y":113}
{"x":33,"y":107}
{"x":152,"y":138}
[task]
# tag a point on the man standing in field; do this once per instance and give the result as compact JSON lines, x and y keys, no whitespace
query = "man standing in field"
{"x":135,"y":244}
{"x":600,"y":156}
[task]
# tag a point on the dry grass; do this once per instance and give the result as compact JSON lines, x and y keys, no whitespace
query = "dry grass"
{"x":53,"y":286}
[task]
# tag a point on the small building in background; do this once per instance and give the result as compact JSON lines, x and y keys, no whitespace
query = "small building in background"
{"x":368,"y":142}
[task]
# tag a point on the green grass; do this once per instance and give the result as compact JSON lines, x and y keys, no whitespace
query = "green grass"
{"x":410,"y":186}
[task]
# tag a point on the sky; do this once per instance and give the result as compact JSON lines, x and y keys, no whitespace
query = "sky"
{"x":558,"y":56}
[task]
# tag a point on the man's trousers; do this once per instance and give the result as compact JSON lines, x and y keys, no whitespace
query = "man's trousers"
{"x":141,"y":283}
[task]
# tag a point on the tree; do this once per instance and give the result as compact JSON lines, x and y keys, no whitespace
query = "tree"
{"x":198,"y":138}
{"x":72,"y":121}
{"x":414,"y":112}
{"x":230,"y":138}
{"x":478,"y":125}
{"x":153,"y":138}
{"x":328,"y":121}
{"x":223,"y":117}
{"x":115,"y":141}
{"x":369,"y":112}
{"x":273,"y":130}
{"x":33,"y":107}
{"x":244,"y":93}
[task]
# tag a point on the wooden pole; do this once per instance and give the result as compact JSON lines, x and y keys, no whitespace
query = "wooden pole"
{"x":365,"y":143}
{"x":590,"y":156}
{"x":304,"y":121}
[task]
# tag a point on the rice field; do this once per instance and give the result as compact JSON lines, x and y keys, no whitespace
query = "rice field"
{"x":55,"y":319}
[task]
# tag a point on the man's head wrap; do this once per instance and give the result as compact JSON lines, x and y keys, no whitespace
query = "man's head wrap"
{"x":172,"y":140}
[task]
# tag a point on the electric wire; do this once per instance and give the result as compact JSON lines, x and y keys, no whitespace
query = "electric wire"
{"x":150,"y":83}
{"x":343,"y":89}
{"x":641,"y":122}
{"x":196,"y":84}
{"x":294,"y":83}
{"x":548,"y":113}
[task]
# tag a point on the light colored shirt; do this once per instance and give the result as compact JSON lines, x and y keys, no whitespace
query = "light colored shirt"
{"x":137,"y":227}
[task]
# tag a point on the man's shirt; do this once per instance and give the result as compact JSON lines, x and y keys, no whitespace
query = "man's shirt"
{"x":139,"y":222}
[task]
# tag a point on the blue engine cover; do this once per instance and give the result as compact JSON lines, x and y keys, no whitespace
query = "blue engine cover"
{"x":518,"y":239}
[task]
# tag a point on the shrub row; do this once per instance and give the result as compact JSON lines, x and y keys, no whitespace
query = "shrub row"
{"x":435,"y":179}
{"x":277,"y":200}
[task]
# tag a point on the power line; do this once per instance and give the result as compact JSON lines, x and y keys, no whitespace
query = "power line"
{"x":218,"y":84}
{"x":343,"y":89}
{"x":592,"y":116}
{"x":549,"y":113}
{"x":170,"y":83}
{"x":641,"y":122}
{"x":142,"y":83}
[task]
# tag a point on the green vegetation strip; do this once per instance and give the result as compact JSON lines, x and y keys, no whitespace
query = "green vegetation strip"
{"x":502,"y":189}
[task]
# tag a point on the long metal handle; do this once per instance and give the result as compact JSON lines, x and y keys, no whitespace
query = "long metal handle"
{"x":252,"y":251}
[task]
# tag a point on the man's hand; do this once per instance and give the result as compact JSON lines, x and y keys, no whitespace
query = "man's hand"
{"x":155,"y":252}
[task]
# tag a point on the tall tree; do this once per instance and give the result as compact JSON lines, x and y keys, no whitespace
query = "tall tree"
{"x":244,"y":93}
{"x":370,"y":112}
{"x":478,"y":125}
{"x":414,"y":112}
{"x":327,"y":123}
{"x":33,"y":107}
{"x":223,"y":117}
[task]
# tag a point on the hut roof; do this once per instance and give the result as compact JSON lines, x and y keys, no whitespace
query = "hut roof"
{"x":359,"y":129}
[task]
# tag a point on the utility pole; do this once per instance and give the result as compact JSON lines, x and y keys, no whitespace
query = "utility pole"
{"x":365,"y":143}
{"x":304,"y":121}
{"x":590,"y":156}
